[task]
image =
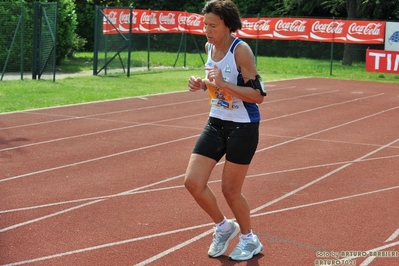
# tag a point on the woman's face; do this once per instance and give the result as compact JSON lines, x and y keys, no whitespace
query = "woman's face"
{"x":214,"y":27}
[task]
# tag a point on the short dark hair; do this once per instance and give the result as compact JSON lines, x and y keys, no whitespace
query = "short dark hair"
{"x":227,"y":11}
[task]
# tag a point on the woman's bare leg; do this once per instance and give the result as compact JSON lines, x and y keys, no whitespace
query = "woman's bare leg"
{"x":197,"y":175}
{"x":232,"y":182}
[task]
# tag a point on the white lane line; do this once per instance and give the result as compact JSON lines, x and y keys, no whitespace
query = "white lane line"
{"x":323,"y":177}
{"x":173,"y":249}
{"x":393,"y":236}
{"x":107,"y":245}
{"x":140,"y":191}
{"x":102,"y":132}
{"x":97,"y":158}
{"x":369,"y":259}
{"x":325,"y":201}
{"x":301,"y":188}
{"x":276,"y":200}
{"x":373,"y":250}
{"x":320,"y":107}
{"x":306,"y":96}
{"x":85,"y":204}
{"x":158,"y":256}
{"x":328,"y":129}
{"x":2,"y":230}
{"x":321,"y":165}
{"x":352,"y":122}
{"x":120,"y":153}
{"x":171,"y":119}
{"x":69,"y":117}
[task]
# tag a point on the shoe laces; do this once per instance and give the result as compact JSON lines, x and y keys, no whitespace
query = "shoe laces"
{"x":243,"y":243}
{"x":217,"y":236}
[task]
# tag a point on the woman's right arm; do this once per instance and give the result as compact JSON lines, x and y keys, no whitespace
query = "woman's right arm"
{"x":197,"y":83}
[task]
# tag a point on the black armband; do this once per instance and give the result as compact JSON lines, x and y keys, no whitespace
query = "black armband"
{"x":257,"y":84}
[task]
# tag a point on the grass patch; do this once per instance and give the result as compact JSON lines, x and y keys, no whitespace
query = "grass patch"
{"x":29,"y":94}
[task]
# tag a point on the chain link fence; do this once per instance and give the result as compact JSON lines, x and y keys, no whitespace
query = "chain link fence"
{"x":15,"y":51}
{"x":44,"y":39}
{"x":121,"y":51}
{"x":27,"y":39}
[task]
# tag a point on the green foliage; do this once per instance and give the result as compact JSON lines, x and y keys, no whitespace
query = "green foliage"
{"x":66,"y":27}
{"x":125,"y":3}
{"x":66,"y":23}
{"x":85,"y":17}
{"x":376,"y":9}
{"x":335,"y":7}
{"x":76,"y":23}
{"x":365,"y":9}
{"x":11,"y":44}
{"x":303,"y":8}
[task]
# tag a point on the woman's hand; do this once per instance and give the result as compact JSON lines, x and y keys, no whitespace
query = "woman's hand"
{"x":215,"y":75}
{"x":195,"y":84}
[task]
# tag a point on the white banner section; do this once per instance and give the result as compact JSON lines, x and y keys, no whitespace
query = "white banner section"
{"x":392,"y":36}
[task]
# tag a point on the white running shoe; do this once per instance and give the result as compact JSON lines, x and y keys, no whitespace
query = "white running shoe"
{"x":221,"y":240}
{"x":246,"y":249}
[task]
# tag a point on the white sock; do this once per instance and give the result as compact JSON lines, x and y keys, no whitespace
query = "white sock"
{"x":249,"y":236}
{"x":223,"y":225}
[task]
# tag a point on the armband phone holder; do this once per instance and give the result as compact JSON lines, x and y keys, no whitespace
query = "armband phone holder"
{"x":257,"y":84}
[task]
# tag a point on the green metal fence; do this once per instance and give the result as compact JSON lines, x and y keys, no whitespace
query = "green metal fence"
{"x":121,"y":52}
{"x":44,"y":39}
{"x":27,"y":39}
{"x":12,"y":44}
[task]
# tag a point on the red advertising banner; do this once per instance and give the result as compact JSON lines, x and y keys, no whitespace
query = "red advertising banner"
{"x":348,"y":31}
{"x":382,"y":61}
{"x":151,"y":21}
{"x":274,"y":28}
{"x":117,"y":20}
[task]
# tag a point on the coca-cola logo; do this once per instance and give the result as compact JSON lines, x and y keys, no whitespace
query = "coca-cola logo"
{"x":332,"y":27}
{"x":124,"y":18}
{"x":369,"y":29}
{"x":148,"y":18}
{"x":192,"y":20}
{"x":167,"y":19}
{"x":261,"y":25}
{"x":110,"y":18}
{"x":294,"y":26}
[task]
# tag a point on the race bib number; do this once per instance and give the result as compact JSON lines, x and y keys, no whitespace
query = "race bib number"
{"x":218,"y":96}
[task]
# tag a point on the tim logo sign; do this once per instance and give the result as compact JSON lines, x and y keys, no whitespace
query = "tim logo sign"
{"x":382,"y":61}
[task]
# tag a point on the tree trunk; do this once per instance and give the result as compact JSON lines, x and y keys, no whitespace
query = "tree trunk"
{"x":350,"y":49}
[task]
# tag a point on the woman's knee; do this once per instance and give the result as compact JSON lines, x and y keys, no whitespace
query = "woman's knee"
{"x":198,"y":172}
{"x":188,"y":183}
{"x":192,"y":185}
{"x":230,"y":192}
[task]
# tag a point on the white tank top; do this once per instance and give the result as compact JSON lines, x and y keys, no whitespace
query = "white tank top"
{"x":222,"y":106}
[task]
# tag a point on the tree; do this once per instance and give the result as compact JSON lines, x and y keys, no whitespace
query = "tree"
{"x":350,"y":49}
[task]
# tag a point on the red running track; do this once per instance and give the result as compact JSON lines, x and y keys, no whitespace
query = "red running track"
{"x":101,"y":183}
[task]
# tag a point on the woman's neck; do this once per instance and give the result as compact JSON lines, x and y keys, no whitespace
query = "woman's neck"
{"x":224,"y":45}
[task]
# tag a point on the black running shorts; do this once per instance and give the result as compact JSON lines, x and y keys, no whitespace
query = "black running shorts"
{"x":237,"y":140}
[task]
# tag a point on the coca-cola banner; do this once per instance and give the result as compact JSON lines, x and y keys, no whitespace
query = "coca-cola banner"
{"x":151,"y":21}
{"x":317,"y":30}
{"x":306,"y":29}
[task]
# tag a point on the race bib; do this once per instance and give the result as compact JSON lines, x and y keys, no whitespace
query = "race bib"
{"x":218,"y":96}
